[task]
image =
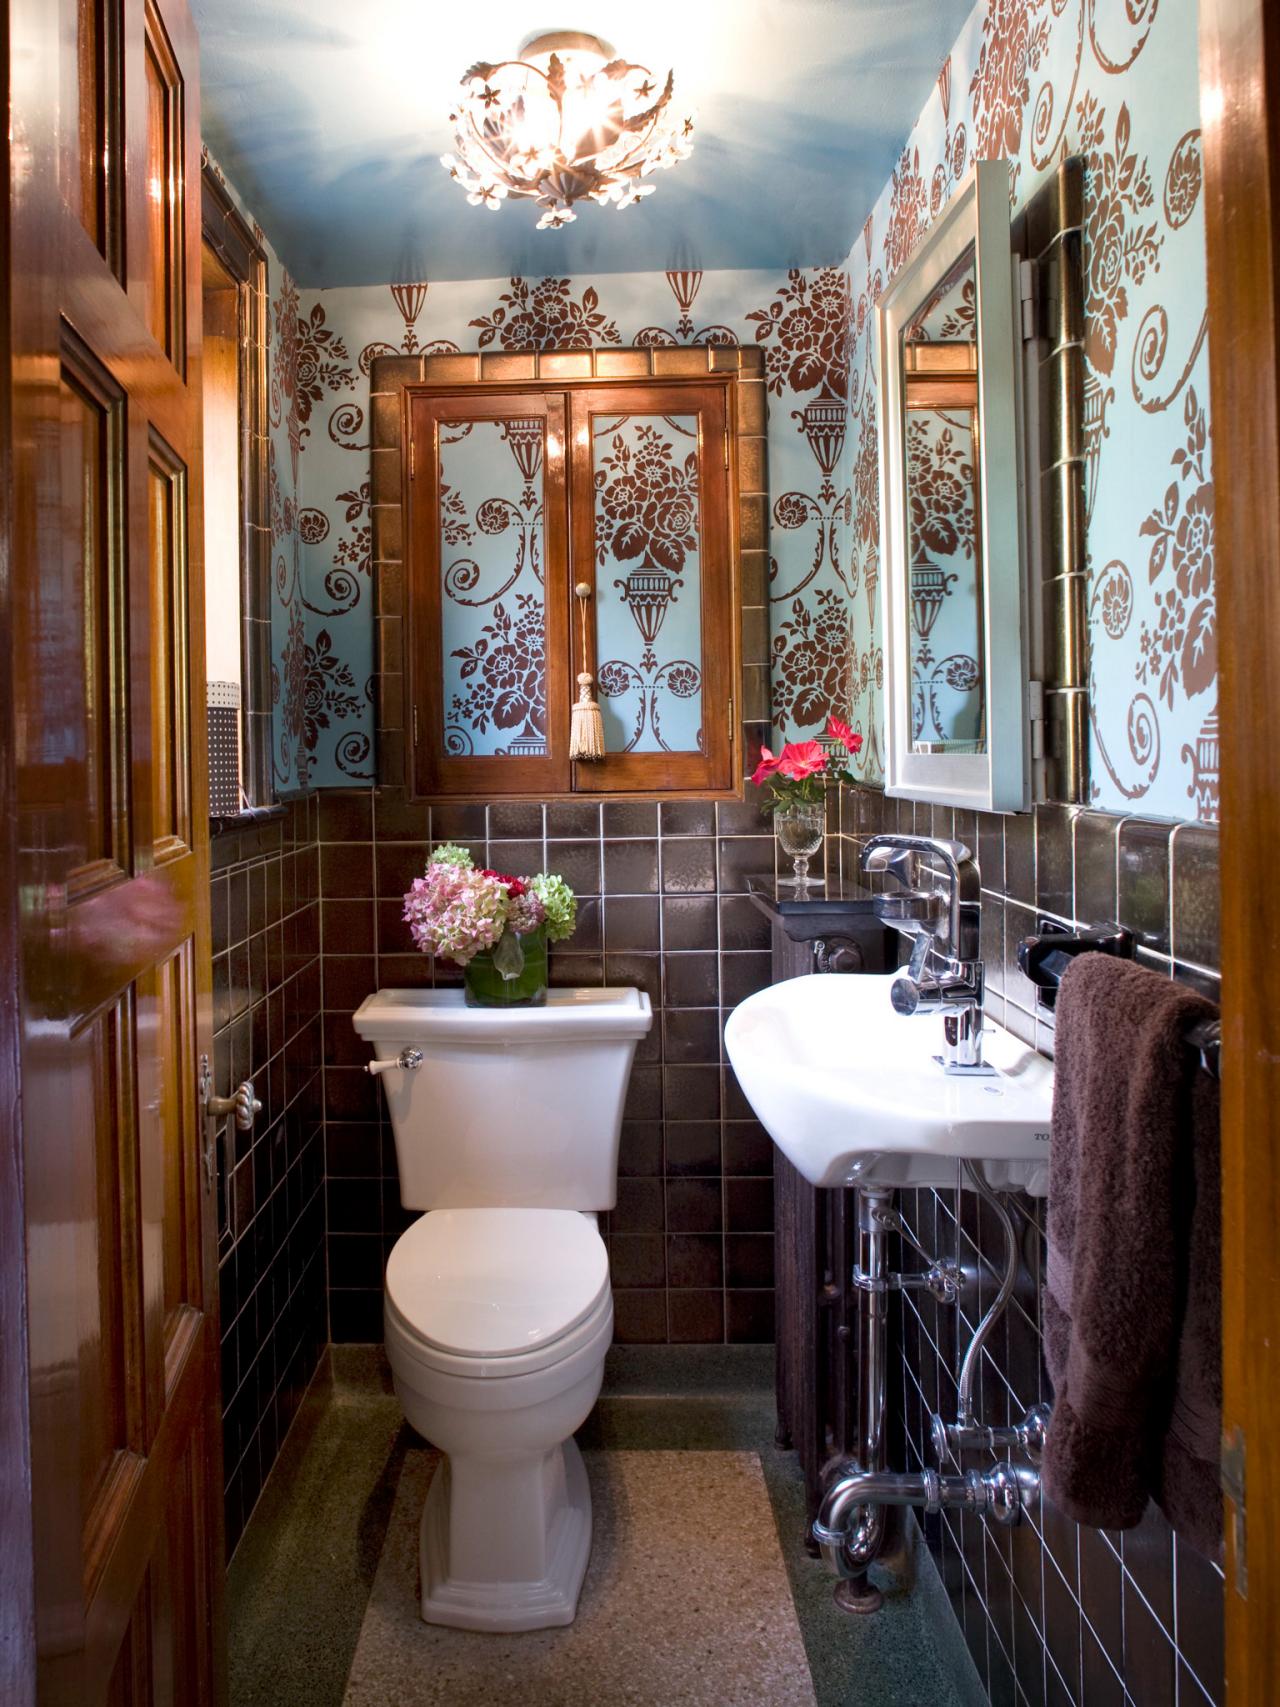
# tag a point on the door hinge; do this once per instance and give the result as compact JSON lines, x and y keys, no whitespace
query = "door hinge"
{"x":415,"y":726}
{"x":413,"y":459}
{"x":1233,"y":1486}
{"x":731,"y":711}
{"x":726,"y":450}
{"x":1030,"y":293}
{"x":1035,"y":714}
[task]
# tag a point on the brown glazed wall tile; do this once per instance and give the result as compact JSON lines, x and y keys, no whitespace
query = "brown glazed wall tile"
{"x":1096,"y":836}
{"x":1195,"y":897}
{"x":696,"y":1318}
{"x":1143,"y":868}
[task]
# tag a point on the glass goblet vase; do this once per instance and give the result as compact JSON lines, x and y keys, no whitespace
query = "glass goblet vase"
{"x":800,"y":828}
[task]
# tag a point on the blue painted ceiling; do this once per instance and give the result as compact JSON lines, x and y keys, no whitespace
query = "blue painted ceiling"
{"x":330,"y":115}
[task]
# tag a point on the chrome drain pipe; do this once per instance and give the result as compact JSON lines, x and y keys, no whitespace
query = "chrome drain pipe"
{"x":865,"y":1531}
{"x":841,"y":1527}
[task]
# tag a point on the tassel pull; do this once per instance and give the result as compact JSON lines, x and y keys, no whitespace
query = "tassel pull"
{"x":586,"y":729}
{"x":586,"y":726}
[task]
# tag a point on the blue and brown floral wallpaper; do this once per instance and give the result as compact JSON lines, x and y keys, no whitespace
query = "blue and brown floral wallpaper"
{"x":1032,"y":80}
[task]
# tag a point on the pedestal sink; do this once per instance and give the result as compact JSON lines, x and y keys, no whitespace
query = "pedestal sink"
{"x":850,"y":1093}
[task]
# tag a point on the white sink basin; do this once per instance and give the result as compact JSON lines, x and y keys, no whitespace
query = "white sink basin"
{"x":850,"y":1093}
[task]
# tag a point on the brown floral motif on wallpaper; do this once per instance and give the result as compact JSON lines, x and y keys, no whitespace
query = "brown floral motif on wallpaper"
{"x":908,"y":210}
{"x":313,"y":526}
{"x":455,"y":520}
{"x":680,"y":678}
{"x":284,"y":365}
{"x":506,"y":670}
{"x":1182,"y":185}
{"x":323,"y":364}
{"x":354,"y":550}
{"x":288,"y":694}
{"x":806,"y":327}
{"x":1181,"y":649}
{"x":684,"y":287}
{"x":1120,"y":247}
{"x":940,"y":481}
{"x":282,"y":509}
{"x":812,"y":660}
{"x":545,"y":315}
{"x":1015,"y":42}
{"x":330,"y":690}
{"x":955,"y":147}
{"x":647,"y":503}
{"x":308,"y":360}
{"x":409,"y":298}
{"x":830,"y":513}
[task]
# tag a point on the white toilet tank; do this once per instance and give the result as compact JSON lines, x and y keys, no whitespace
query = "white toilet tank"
{"x":511,"y":1108}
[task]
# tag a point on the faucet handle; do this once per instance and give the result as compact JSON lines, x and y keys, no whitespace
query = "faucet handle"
{"x":919,"y":956}
{"x":902,"y":864}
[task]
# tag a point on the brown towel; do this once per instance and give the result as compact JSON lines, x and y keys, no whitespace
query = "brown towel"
{"x":1133,"y":1338}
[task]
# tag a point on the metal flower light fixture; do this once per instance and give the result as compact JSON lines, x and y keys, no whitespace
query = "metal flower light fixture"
{"x":565,"y":121}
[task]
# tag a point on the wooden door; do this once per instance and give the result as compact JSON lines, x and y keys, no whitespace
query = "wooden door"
{"x":112,"y":856}
{"x":1240,"y":106}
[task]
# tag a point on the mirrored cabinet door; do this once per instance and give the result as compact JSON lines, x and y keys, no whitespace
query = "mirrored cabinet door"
{"x":489,"y":568}
{"x":651,"y":480}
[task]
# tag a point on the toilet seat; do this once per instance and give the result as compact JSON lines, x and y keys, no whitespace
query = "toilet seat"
{"x":497,"y":1292}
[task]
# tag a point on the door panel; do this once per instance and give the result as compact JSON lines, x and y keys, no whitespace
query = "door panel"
{"x":489,"y":676}
{"x":113,"y":853}
{"x":650,"y":486}
{"x":169,"y":688}
{"x":93,"y":479}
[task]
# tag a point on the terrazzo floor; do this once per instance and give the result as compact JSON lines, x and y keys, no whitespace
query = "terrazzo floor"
{"x":699,"y":1592}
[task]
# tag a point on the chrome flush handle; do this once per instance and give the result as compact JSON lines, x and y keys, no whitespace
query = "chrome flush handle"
{"x":409,"y":1060}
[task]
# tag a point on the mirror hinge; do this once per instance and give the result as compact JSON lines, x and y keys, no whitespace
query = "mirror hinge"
{"x":1030,"y":297}
{"x":1233,"y":1486}
{"x":1035,"y":713}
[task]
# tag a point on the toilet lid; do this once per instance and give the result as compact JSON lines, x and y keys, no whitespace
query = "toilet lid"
{"x":497,"y":1282}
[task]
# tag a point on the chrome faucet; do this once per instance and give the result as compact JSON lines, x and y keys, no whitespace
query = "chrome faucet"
{"x":942,"y":922}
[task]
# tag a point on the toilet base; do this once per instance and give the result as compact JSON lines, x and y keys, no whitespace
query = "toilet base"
{"x":538,"y":1604}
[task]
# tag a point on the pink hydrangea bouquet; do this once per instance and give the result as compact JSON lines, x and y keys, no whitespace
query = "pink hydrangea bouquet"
{"x":456,"y":911}
{"x":799,"y":773}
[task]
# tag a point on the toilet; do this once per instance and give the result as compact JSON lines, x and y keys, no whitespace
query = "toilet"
{"x":498,"y":1312}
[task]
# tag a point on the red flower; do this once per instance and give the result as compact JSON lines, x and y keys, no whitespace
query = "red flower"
{"x":840,"y":731}
{"x":765,"y":769}
{"x":515,"y":885}
{"x":800,"y":759}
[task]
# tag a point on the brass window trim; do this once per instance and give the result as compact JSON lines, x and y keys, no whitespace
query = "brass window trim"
{"x":230,"y":238}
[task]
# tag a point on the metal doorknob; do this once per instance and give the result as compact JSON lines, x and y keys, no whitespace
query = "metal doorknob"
{"x":241,"y":1103}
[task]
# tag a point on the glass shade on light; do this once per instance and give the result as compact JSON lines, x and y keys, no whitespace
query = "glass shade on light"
{"x":564,"y":123}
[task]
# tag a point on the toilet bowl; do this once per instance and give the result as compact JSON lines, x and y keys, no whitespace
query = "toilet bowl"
{"x":497,"y":1359}
{"x":498,"y":1312}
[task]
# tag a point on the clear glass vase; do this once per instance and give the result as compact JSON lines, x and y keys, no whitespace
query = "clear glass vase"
{"x":486,"y":987}
{"x":800,"y":828}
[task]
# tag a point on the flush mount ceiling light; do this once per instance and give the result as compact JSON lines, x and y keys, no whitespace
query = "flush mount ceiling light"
{"x":565,"y":121}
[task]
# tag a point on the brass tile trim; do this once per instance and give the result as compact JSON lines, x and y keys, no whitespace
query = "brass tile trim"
{"x":1050,"y":236}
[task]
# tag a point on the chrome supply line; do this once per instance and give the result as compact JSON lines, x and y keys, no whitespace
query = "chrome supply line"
{"x":850,"y":1526}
